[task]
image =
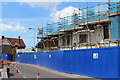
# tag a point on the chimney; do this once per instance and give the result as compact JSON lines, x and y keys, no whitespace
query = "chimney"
{"x":3,"y":37}
{"x":19,"y":39}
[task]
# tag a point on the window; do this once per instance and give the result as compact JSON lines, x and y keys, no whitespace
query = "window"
{"x":83,"y":38}
{"x":68,"y":40}
{"x":63,"y":41}
{"x":92,"y":28}
{"x":106,"y":32}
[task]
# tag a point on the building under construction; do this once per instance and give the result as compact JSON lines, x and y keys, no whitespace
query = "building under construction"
{"x":93,"y":27}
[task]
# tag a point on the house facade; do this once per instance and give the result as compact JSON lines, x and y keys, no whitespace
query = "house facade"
{"x":10,"y":44}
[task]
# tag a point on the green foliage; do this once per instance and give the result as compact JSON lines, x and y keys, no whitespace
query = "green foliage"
{"x":33,"y":49}
{"x":13,"y":51}
{"x":40,"y":44}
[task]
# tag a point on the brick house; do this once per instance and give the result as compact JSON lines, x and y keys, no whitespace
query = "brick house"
{"x":8,"y":44}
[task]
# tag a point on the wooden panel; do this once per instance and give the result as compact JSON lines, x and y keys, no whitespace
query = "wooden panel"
{"x":94,"y":22}
{"x":70,"y":29}
{"x":114,"y":14}
{"x":55,"y":34}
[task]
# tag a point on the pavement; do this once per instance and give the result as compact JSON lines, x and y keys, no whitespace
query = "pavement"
{"x":28,"y":71}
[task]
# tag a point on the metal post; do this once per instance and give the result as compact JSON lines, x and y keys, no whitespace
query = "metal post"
{"x":34,"y":37}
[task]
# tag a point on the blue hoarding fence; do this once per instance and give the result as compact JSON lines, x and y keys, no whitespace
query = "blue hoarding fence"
{"x":97,"y":62}
{"x":7,"y":57}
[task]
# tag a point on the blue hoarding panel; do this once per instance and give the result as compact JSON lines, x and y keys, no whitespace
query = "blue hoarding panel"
{"x":82,"y":62}
{"x":7,"y":57}
{"x":97,"y":63}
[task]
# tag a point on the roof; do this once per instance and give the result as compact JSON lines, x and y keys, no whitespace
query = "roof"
{"x":15,"y":41}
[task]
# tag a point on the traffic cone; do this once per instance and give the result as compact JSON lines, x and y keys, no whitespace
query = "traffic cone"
{"x":38,"y":75}
{"x":17,"y":71}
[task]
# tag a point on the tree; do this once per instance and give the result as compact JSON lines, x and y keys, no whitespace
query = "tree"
{"x":13,"y":52}
{"x":40,"y":44}
{"x":33,"y":49}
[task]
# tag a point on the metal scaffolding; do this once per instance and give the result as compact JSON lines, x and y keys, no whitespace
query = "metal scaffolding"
{"x":82,"y":22}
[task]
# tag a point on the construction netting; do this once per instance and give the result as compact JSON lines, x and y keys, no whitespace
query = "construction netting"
{"x":90,"y":13}
{"x":52,"y":28}
{"x":69,"y":21}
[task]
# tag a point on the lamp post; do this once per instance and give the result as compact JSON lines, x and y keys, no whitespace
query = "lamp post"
{"x":34,"y":37}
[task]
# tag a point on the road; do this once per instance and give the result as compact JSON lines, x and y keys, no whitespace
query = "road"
{"x":28,"y":71}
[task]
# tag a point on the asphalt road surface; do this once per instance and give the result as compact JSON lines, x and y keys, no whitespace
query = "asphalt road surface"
{"x":27,"y":71}
{"x":30,"y":72}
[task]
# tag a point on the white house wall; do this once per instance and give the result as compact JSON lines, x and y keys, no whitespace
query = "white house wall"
{"x":75,"y":38}
{"x":97,"y":36}
{"x":5,"y":42}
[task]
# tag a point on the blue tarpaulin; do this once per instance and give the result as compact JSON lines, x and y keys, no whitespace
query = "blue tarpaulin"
{"x":115,"y":28}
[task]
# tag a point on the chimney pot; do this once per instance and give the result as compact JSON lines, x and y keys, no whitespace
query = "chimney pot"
{"x":18,"y":37}
{"x":3,"y":37}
